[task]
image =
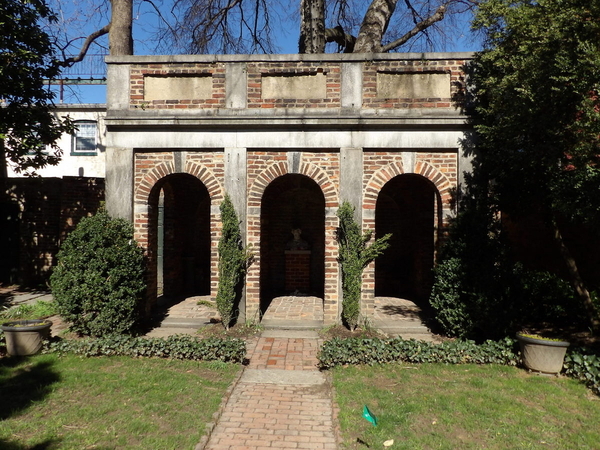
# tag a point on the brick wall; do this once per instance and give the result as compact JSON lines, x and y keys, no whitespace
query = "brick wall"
{"x":139,"y":73}
{"x":258,"y":72}
{"x":289,"y":185}
{"x":46,"y":210}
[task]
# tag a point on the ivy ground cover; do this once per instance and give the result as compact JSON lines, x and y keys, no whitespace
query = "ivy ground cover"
{"x":427,"y":406}
{"x":69,"y":402}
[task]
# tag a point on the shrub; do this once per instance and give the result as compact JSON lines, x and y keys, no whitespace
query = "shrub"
{"x":510,"y":298}
{"x":233,"y":262}
{"x":174,"y":347}
{"x":355,"y":254}
{"x":337,"y":352}
{"x":99,"y":280}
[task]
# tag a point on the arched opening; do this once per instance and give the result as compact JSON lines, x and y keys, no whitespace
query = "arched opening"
{"x":180,"y":237}
{"x":406,"y":208}
{"x":292,"y":202}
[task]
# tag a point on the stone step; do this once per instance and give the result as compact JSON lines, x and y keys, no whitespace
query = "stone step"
{"x":184,"y":322}
{"x":284,"y":324}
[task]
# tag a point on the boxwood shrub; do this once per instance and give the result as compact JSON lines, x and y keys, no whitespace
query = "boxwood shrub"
{"x":99,"y":280}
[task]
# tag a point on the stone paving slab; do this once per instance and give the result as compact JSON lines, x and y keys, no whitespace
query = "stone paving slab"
{"x":279,"y":376}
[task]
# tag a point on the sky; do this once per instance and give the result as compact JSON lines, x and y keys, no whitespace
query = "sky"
{"x":86,"y":17}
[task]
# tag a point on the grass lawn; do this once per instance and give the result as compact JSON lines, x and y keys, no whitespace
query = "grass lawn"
{"x":49,"y":402}
{"x":433,"y":406}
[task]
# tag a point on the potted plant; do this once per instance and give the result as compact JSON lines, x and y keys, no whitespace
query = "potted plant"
{"x":24,"y":337}
{"x":542,"y":354}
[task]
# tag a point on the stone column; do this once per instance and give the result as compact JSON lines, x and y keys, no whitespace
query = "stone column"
{"x":236,"y":186}
{"x":119,"y":182}
{"x":119,"y":161}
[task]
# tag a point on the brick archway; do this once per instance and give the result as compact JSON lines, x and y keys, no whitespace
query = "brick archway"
{"x":278,"y":169}
{"x":255,"y":195}
{"x":392,"y":170}
{"x":374,"y":185}
{"x":146,"y":195}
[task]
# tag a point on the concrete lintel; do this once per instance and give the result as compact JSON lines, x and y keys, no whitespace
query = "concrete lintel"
{"x":394,"y":140}
{"x":198,"y":116}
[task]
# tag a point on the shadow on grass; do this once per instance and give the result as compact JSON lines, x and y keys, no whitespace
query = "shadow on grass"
{"x":24,"y":381}
{"x":49,"y":444}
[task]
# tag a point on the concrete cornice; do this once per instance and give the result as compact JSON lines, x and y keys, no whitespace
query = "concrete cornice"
{"x":320,"y":57}
{"x":80,"y":106}
{"x":331,"y":121}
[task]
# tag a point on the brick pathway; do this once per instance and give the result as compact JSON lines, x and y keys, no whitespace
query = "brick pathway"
{"x":281,"y":400}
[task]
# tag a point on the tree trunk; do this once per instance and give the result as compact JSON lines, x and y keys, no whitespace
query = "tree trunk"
{"x":120,"y":38}
{"x":312,"y":26}
{"x":374,"y":26}
{"x":575,"y":277}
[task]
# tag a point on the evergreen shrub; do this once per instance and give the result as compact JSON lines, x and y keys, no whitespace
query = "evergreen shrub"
{"x":233,"y":262}
{"x":355,"y":253}
{"x":98,"y":282}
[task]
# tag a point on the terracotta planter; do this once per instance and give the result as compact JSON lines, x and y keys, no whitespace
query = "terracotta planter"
{"x":542,"y":355}
{"x":24,"y":337}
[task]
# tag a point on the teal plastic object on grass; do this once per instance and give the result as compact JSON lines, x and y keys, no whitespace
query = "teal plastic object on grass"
{"x":369,"y":416}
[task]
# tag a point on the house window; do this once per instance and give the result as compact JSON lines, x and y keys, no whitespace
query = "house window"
{"x":84,"y":140}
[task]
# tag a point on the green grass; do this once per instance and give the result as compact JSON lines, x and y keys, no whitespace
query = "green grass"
{"x":38,"y":310}
{"x":61,"y":403}
{"x":434,"y":406}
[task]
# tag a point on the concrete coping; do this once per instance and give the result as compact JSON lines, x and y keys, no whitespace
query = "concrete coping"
{"x":320,"y":57}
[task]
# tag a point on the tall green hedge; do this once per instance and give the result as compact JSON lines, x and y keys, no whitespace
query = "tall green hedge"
{"x":99,"y":280}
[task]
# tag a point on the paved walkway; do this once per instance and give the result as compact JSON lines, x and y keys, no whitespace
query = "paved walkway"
{"x":281,"y":399}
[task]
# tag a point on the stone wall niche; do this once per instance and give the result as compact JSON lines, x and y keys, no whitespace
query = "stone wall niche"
{"x":300,"y":86}
{"x":413,"y":85}
{"x":177,"y":87}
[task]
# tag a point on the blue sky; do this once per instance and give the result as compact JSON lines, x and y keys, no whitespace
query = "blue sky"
{"x":90,"y":19}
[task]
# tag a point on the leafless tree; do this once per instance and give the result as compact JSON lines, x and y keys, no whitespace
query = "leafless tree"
{"x":253,"y":26}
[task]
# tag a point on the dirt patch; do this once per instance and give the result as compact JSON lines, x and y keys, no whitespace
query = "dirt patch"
{"x":340,"y":331}
{"x":241,"y":331}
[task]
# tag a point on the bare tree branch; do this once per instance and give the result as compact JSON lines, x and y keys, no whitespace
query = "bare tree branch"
{"x":418,"y":28}
{"x":344,"y":40}
{"x":86,"y":45}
